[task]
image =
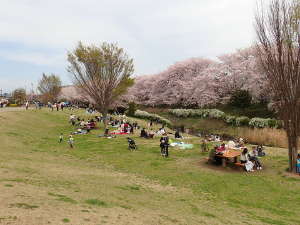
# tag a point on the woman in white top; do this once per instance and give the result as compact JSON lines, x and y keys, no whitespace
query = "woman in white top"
{"x":244,"y":157}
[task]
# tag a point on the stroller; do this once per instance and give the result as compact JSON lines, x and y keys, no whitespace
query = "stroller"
{"x":131,"y":144}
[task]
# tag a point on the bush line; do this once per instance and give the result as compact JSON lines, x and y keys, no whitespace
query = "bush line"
{"x":229,"y":119}
{"x":154,"y":117}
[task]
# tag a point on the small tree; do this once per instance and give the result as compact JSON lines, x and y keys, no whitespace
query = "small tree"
{"x":102,"y":73}
{"x":49,"y":87}
{"x":131,"y":108}
{"x":241,"y":98}
{"x":19,"y":96}
{"x":278,"y":47}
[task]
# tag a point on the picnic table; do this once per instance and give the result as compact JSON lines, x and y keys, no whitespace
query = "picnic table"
{"x":229,"y":155}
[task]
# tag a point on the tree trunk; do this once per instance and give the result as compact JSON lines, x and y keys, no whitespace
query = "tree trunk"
{"x":293,"y":149}
{"x":104,"y":114}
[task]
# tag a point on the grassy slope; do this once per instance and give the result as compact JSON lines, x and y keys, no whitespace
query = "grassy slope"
{"x":101,"y":182}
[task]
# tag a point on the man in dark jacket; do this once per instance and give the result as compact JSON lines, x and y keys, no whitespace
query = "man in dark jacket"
{"x":164,"y":145}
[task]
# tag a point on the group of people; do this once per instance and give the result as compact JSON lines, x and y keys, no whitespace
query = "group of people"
{"x":147,"y":134}
{"x":250,"y":159}
{"x":81,"y":123}
{"x":57,"y":105}
{"x":70,"y":140}
{"x":124,"y":127}
{"x":3,"y":103}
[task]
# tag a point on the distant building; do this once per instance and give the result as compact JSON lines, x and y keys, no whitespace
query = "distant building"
{"x":5,"y":95}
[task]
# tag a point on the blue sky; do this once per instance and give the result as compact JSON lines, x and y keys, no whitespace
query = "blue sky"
{"x":36,"y":35}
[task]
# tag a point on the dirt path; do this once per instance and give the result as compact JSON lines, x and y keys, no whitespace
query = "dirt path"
{"x":11,"y":109}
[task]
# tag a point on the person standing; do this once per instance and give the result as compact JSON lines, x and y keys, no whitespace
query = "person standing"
{"x":164,"y":145}
{"x":61,"y":138}
{"x":27,"y":105}
{"x":298,"y":164}
{"x":71,"y":141}
{"x":57,"y":106}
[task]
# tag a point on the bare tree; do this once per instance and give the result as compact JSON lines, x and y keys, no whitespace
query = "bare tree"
{"x":19,"y":96}
{"x":49,"y":87}
{"x":102,"y":73}
{"x":278,"y":47}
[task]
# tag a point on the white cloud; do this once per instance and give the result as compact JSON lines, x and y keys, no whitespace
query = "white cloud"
{"x":155,"y":33}
{"x":35,"y":58}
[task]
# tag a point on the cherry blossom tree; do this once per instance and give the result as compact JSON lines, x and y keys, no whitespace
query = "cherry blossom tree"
{"x":198,"y":82}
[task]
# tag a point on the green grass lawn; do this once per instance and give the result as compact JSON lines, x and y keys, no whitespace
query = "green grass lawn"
{"x":101,"y":182}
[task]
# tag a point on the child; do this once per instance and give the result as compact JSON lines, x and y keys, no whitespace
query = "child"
{"x":61,"y":138}
{"x":204,"y":145}
{"x":298,"y":164}
{"x":71,"y":141}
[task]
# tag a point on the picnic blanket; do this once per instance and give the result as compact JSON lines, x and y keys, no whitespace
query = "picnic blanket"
{"x":118,"y":132}
{"x":80,"y":131}
{"x":181,"y":145}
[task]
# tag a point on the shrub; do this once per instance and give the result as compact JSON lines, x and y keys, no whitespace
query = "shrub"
{"x":242,"y":121}
{"x":216,"y":114}
{"x":145,"y":115}
{"x":258,"y":122}
{"x":131,"y":109}
{"x":204,"y":113}
{"x":180,"y":112}
{"x":273,"y":123}
{"x":230,"y":120}
{"x":241,"y":98}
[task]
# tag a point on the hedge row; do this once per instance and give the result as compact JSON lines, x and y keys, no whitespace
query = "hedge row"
{"x":232,"y":120}
{"x":154,"y":117}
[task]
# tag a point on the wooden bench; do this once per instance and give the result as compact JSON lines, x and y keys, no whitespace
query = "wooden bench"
{"x":239,"y":164}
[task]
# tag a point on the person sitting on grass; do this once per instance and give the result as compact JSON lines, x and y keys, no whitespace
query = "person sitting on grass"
{"x":72,"y":119}
{"x":298,"y":164}
{"x":254,"y":158}
{"x":161,"y":131}
{"x":177,"y":134}
{"x":106,"y":132}
{"x":82,"y":123}
{"x":144,"y":133}
{"x":217,"y":138}
{"x":260,"y":151}
{"x":151,"y":134}
{"x":245,"y":160}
